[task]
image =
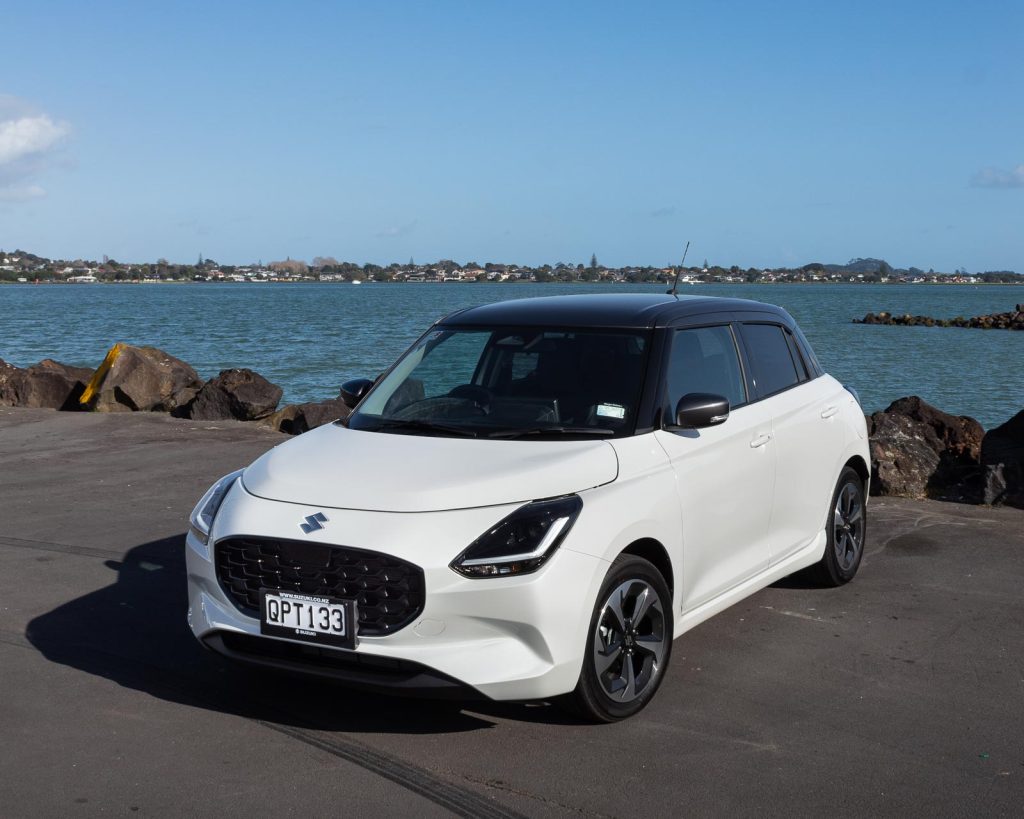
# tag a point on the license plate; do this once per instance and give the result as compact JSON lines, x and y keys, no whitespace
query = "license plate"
{"x":324,"y":620}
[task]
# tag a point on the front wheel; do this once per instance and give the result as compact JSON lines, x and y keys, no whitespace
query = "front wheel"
{"x":628,"y":645}
{"x":846,"y":529}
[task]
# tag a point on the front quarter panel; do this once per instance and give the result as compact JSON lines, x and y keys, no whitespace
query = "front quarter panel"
{"x":641,"y":504}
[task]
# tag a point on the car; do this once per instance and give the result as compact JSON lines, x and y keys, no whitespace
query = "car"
{"x":535,"y":500}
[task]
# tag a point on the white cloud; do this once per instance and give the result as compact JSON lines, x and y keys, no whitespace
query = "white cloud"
{"x":999,"y":178}
{"x":20,"y":193}
{"x":396,"y":231}
{"x":26,"y":136}
{"x":27,"y":141}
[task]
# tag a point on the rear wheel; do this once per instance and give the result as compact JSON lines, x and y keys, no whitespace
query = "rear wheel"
{"x":846,"y":529}
{"x":628,"y":644}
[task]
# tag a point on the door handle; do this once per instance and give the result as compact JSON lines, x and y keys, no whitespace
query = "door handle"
{"x":760,"y":440}
{"x":828,"y":412}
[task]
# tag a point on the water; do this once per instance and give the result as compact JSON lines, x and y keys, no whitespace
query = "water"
{"x":308,"y":338}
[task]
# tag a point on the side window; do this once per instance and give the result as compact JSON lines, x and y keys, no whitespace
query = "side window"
{"x":794,"y":350}
{"x":523,"y":365}
{"x":770,"y":359}
{"x":453,"y":365}
{"x":808,"y":351}
{"x":704,"y":359}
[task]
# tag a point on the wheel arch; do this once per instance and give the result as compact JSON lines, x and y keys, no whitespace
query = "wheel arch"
{"x":655,"y":553}
{"x":858,"y":465}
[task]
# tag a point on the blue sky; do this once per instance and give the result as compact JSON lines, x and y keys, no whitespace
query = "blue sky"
{"x":767,"y":134}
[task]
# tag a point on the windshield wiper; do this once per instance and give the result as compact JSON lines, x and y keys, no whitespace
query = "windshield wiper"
{"x":525,"y":431}
{"x":426,"y":426}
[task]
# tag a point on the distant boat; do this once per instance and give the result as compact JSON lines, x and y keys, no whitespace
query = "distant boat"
{"x":357,"y":281}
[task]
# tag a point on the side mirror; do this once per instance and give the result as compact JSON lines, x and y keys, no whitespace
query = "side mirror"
{"x":352,"y":392}
{"x":696,"y":410}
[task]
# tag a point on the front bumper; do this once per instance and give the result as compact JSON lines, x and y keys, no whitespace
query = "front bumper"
{"x":516,"y":638}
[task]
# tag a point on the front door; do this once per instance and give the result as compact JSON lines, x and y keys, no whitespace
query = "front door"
{"x":725,"y":474}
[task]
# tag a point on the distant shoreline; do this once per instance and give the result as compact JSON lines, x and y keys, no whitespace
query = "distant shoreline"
{"x":683,"y":286}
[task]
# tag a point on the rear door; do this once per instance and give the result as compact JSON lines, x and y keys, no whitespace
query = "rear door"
{"x":807,"y":436}
{"x":724,"y":474}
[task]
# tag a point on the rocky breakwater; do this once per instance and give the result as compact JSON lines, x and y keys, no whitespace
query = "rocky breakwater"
{"x":918,"y":451}
{"x":48,"y":384}
{"x":1012,"y":320}
{"x":146,"y":379}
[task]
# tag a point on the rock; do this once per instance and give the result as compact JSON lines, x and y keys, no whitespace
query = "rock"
{"x":918,"y":451}
{"x":9,"y":375}
{"x":996,"y":321}
{"x":146,"y":379}
{"x":48,"y":384}
{"x":1002,"y":453}
{"x":240,"y":394}
{"x":298,"y":418}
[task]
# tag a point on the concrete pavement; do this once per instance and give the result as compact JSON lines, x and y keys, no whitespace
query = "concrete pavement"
{"x":900,"y":693}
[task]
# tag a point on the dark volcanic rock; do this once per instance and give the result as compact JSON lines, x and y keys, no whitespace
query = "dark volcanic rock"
{"x":8,"y":381}
{"x":240,"y":394}
{"x":1002,"y":453}
{"x":147,"y":379}
{"x":48,"y":384}
{"x":918,"y":451}
{"x":298,"y":418}
{"x":1013,"y":320}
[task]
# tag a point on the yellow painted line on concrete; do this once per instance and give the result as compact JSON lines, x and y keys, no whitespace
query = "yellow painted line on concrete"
{"x":101,"y":373}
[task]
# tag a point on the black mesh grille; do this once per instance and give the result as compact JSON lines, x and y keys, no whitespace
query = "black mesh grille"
{"x":388,"y":591}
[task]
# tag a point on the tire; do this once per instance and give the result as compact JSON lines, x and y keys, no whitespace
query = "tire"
{"x":846,"y":529}
{"x":624,"y":661}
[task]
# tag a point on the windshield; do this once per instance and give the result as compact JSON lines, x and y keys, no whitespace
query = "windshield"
{"x":511,"y":382}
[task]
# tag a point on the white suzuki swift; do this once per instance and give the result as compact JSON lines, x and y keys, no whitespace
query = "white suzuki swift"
{"x":535,"y":500}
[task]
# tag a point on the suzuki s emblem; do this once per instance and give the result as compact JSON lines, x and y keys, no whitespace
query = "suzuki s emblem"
{"x":313,"y":522}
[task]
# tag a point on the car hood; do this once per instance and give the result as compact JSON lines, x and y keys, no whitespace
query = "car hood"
{"x":341,"y":468}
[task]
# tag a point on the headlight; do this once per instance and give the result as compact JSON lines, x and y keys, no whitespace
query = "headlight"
{"x":521,"y":542}
{"x":202,"y":516}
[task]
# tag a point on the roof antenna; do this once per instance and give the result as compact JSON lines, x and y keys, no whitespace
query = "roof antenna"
{"x":675,"y":282}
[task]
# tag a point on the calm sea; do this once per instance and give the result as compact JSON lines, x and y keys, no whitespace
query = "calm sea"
{"x":308,"y":338}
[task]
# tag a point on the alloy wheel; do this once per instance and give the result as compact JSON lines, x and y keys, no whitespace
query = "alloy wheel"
{"x":630,"y":640}
{"x":848,"y":527}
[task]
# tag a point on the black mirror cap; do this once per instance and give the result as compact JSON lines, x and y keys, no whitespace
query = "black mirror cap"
{"x":352,"y":392}
{"x":696,"y":410}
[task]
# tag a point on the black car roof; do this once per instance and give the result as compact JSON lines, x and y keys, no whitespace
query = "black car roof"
{"x":612,"y":310}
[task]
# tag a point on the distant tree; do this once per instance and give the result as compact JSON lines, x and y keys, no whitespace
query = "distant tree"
{"x":289,"y":265}
{"x":593,"y":261}
{"x":705,"y":264}
{"x":884,"y":269}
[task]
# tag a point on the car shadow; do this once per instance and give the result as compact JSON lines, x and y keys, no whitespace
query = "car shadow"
{"x":805,"y":579}
{"x":134,"y":632}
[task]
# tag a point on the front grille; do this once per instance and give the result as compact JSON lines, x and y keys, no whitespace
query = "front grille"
{"x":388,"y":591}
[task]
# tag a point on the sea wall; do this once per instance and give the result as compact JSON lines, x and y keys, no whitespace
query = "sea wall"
{"x":917,"y":450}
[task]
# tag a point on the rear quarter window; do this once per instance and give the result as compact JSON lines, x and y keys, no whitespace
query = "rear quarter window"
{"x":771,"y":361}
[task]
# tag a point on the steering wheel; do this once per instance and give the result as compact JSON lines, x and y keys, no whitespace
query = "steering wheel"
{"x":480,"y":396}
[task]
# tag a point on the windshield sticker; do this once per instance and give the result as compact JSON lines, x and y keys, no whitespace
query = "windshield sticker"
{"x":611,"y":410}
